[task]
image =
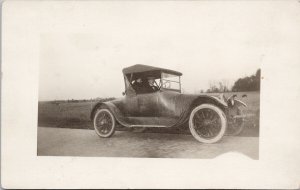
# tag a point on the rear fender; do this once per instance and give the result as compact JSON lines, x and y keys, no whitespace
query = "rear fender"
{"x":114,"y":110}
{"x":107,"y":105}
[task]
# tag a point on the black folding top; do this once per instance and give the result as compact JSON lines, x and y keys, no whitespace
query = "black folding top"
{"x":145,"y":68}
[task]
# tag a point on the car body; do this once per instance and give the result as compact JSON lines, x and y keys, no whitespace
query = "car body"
{"x":153,"y":98}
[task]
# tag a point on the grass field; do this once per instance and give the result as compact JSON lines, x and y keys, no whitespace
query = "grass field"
{"x":77,"y":114}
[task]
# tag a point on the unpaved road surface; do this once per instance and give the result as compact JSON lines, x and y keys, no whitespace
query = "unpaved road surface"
{"x":80,"y":142}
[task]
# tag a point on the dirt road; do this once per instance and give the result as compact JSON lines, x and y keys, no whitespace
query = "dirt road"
{"x":79,"y":142}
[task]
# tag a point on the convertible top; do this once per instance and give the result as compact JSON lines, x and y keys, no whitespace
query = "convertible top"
{"x":139,"y":68}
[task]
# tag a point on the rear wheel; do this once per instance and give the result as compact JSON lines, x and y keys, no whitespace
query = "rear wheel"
{"x":104,"y":123}
{"x":207,"y":123}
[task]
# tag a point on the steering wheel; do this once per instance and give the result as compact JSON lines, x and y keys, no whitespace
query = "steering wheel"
{"x":155,"y":88}
{"x":166,"y":84}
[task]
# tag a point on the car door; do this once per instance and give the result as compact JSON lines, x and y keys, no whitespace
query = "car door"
{"x":130,"y":102}
{"x":140,"y":109}
{"x":130,"y":106}
{"x":148,"y":104}
{"x":166,"y":108}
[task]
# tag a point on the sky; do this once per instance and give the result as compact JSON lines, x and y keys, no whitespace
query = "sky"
{"x":207,"y":42}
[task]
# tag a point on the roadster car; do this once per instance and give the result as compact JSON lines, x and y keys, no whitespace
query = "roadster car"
{"x":153,"y":98}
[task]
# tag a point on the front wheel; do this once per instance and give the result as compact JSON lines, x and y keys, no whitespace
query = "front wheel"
{"x":236,"y":123}
{"x":104,"y":123}
{"x":207,"y":123}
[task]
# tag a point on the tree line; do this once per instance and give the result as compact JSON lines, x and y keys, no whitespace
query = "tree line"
{"x":248,"y":83}
{"x":83,"y":100}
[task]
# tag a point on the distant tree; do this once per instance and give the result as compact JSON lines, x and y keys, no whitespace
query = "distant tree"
{"x":257,"y":80}
{"x":215,"y":87}
{"x":247,"y":83}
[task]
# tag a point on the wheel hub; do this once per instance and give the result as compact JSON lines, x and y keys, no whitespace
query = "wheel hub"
{"x":206,"y":122}
{"x":103,"y":121}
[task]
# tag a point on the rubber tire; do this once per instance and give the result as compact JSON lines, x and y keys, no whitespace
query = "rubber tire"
{"x":239,"y":130}
{"x":223,"y":123}
{"x":112,"y":131}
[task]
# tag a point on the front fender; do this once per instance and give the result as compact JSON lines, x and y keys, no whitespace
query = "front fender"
{"x":217,"y":101}
{"x":234,"y":110}
{"x":203,"y":99}
{"x":233,"y":102}
{"x":239,"y":103}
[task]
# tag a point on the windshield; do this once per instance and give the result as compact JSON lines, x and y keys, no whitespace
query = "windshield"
{"x":170,"y":82}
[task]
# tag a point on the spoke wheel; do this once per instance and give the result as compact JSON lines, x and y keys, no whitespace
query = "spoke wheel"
{"x":235,"y":125}
{"x":207,"y":123}
{"x":104,"y":123}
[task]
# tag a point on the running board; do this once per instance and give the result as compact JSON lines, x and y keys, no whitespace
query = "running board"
{"x":147,"y":126}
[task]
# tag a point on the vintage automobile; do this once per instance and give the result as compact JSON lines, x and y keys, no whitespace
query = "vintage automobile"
{"x":153,"y":98}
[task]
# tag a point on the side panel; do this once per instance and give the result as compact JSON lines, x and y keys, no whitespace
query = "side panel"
{"x":173,"y":109}
{"x":148,"y":105}
{"x":128,"y":106}
{"x":173,"y":104}
{"x":125,"y":113}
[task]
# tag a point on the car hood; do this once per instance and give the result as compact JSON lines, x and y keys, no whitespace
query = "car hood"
{"x":188,"y":98}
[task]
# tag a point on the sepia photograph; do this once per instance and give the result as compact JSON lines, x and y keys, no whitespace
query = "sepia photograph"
{"x":150,"y":94}
{"x":92,"y":105}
